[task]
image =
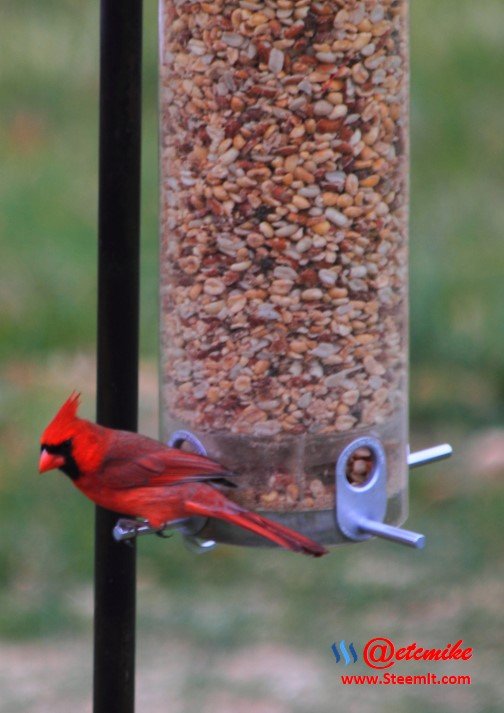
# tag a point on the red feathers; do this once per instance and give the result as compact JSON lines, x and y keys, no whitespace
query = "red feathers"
{"x":135,"y":475}
{"x":63,"y":424}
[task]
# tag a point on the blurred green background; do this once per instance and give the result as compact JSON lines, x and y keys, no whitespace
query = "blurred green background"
{"x":250,"y":630}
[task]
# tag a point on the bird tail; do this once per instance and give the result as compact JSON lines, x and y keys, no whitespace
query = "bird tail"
{"x":281,"y":535}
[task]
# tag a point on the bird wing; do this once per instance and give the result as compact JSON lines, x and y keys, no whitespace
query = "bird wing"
{"x":144,"y":463}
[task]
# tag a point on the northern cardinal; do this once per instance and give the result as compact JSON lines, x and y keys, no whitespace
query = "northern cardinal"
{"x":135,"y":475}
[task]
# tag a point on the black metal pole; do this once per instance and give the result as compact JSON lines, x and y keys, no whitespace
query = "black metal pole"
{"x":118,"y":324}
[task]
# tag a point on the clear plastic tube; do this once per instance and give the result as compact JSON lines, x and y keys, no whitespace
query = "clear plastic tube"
{"x":284,"y":211}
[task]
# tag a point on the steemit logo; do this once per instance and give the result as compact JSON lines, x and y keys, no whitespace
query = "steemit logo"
{"x":340,"y":652}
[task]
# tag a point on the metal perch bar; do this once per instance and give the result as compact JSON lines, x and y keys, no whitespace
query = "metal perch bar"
{"x":429,"y":455}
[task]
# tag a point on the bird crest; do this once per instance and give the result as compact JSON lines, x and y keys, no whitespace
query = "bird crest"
{"x":62,"y":425}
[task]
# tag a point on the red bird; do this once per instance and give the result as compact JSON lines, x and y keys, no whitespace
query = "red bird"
{"x":138,"y":476}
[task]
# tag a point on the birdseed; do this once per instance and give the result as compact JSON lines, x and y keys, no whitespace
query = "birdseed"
{"x":284,"y":201}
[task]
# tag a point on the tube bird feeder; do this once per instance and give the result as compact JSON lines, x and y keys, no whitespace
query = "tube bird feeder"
{"x":284,"y":266}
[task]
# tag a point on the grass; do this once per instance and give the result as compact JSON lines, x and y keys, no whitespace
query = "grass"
{"x":234,"y":604}
{"x":456,"y":289}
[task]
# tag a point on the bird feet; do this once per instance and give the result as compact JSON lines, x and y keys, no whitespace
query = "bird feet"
{"x":163,"y":534}
{"x":127,"y":529}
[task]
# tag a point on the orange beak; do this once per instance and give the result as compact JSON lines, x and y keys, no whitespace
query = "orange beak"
{"x":48,"y":461}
